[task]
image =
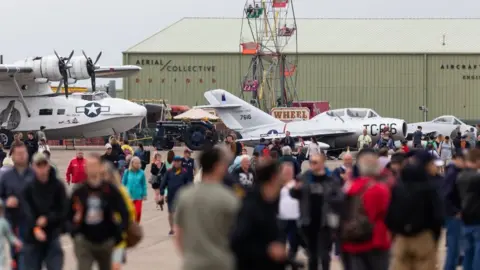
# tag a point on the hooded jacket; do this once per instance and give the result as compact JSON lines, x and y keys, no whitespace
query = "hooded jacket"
{"x":424,"y":206}
{"x":375,"y":202}
{"x":54,"y":207}
{"x":135,"y":183}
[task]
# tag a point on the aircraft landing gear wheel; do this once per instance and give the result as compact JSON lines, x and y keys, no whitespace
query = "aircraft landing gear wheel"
{"x":195,"y":137}
{"x":6,"y":138}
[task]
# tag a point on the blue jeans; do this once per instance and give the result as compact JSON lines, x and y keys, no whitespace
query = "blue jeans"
{"x":454,"y":241}
{"x":471,"y":260}
{"x":290,"y":233}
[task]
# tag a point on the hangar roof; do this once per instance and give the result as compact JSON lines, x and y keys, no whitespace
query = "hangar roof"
{"x":223,"y":35}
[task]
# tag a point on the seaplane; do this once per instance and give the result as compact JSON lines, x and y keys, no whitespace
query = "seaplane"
{"x":28,"y":102}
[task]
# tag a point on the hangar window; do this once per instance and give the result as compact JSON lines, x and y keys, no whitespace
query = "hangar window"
{"x":60,"y":111}
{"x":45,"y":112}
{"x":357,"y":113}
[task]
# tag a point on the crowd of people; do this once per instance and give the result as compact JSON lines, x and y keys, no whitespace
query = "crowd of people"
{"x":100,"y":211}
{"x":382,"y":210}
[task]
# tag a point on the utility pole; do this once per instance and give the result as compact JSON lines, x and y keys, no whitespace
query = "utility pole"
{"x":282,"y":80}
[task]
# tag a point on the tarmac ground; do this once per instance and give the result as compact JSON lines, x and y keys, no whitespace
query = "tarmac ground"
{"x":157,"y":249}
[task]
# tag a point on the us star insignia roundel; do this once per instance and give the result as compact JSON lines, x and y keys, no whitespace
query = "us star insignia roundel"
{"x":92,"y":109}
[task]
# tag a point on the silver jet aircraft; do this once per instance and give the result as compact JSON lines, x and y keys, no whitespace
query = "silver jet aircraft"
{"x":336,"y":128}
{"x":446,"y":125}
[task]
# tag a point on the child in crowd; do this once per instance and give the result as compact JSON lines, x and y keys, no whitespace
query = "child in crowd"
{"x":6,"y":234}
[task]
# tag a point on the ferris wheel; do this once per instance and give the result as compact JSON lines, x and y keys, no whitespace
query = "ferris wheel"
{"x":269,"y":35}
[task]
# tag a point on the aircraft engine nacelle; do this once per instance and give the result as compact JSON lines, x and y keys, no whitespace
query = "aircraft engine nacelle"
{"x":47,"y":68}
{"x":78,"y":71}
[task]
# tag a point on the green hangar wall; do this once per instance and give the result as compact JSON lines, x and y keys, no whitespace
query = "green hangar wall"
{"x":393,"y":79}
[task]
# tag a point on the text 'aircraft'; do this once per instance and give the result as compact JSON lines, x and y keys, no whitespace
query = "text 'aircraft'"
{"x":337,"y":128}
{"x":27,"y":101}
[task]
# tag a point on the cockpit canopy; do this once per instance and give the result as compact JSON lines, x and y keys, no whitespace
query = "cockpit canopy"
{"x":447,"y":119}
{"x":91,"y":96}
{"x":353,"y":113}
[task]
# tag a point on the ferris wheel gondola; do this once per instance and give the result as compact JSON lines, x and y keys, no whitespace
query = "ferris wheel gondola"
{"x":269,"y":34}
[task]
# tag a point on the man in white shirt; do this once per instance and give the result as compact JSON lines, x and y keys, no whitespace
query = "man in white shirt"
{"x":289,"y":211}
{"x":364,"y":140}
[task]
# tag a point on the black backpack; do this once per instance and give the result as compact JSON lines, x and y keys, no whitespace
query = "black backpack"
{"x":356,"y":226}
{"x":407,"y":212}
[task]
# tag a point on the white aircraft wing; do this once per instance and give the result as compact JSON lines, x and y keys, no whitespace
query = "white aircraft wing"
{"x":116,"y":71}
{"x":6,"y":71}
{"x":303,"y":134}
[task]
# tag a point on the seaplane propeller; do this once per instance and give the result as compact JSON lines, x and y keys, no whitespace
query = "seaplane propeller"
{"x":91,"y":67}
{"x":63,"y":66}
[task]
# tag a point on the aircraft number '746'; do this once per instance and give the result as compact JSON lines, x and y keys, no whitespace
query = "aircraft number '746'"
{"x":245,"y":117}
{"x":374,"y":131}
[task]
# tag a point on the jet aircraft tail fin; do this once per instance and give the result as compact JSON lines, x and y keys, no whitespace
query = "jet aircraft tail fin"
{"x":237,"y":114}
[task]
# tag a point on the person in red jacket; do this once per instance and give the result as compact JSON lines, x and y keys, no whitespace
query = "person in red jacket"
{"x":76,"y":170}
{"x":405,"y":147}
{"x":372,"y":254}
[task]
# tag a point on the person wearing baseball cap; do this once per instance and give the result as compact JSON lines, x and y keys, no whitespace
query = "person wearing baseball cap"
{"x":110,"y":156}
{"x":45,"y":215}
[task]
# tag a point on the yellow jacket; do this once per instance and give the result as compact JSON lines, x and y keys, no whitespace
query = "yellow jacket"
{"x":131,"y":211}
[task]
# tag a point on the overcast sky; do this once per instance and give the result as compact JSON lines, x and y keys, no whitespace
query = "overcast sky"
{"x":35,"y":28}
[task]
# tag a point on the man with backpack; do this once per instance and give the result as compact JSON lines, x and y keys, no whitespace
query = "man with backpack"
{"x":415,"y":215}
{"x":366,"y":240}
{"x":320,"y":197}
